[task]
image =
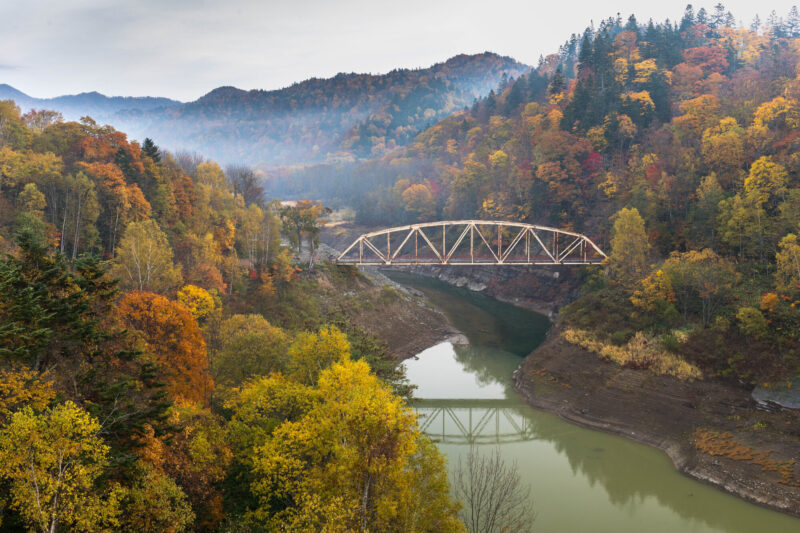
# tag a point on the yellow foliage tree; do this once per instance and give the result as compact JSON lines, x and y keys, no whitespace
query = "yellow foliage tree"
{"x":418,"y":199}
{"x":198,"y":300}
{"x":654,"y":288}
{"x":630,"y":249}
{"x":251,"y":346}
{"x":311,"y":353}
{"x":52,"y":462}
{"x":350,"y":464}
{"x":21,"y":387}
{"x":788,"y":263}
{"x":144,"y":259}
{"x":766,"y":180}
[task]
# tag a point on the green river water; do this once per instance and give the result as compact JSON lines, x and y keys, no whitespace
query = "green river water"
{"x":581,"y":480}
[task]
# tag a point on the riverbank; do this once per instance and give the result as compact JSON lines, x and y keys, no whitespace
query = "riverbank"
{"x":755,"y":451}
{"x":399,"y":316}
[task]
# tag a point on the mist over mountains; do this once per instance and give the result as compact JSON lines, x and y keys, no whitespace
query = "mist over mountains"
{"x":344,"y":118}
{"x":93,"y":104}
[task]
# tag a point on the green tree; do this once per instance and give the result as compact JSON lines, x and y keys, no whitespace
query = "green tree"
{"x":702,"y":282}
{"x":150,"y":149}
{"x":752,"y":322}
{"x":304,"y":220}
{"x":251,"y":347}
{"x":154,"y":502}
{"x":32,"y":201}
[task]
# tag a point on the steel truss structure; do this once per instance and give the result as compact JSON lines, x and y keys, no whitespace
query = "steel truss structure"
{"x":472,"y":242}
{"x":473,"y":421}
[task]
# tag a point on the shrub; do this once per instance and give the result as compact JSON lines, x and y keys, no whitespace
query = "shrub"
{"x":641,"y":352}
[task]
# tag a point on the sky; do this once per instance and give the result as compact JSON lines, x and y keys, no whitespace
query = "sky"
{"x":182,"y":49}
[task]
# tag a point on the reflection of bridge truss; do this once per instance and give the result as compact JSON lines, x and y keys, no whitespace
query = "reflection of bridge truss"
{"x":473,"y":421}
{"x":472,"y":242}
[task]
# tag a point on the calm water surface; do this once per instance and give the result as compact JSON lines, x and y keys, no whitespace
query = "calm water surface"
{"x":581,"y":480}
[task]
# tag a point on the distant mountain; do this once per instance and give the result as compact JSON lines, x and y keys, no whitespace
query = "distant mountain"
{"x":346,"y":117}
{"x":96,"y":105}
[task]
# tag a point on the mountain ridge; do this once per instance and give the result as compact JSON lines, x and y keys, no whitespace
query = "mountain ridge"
{"x":74,"y":106}
{"x":348,"y":116}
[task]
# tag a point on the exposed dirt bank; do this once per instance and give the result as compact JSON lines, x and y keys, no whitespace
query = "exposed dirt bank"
{"x":399,"y":316}
{"x":754,"y":458}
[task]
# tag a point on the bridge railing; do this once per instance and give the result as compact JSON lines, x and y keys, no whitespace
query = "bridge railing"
{"x":472,"y":242}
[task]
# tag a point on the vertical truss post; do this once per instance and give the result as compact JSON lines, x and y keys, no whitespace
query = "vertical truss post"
{"x":528,"y":244}
{"x":472,"y":244}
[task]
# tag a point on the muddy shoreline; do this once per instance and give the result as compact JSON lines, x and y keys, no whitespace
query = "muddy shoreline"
{"x":664,"y":412}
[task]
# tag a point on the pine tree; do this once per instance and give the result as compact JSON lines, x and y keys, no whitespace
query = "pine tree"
{"x":718,"y":17}
{"x":702,"y":16}
{"x":151,"y":150}
{"x":59,"y":318}
{"x":793,"y":22}
{"x":756,"y":24}
{"x":688,"y":19}
{"x":557,"y":84}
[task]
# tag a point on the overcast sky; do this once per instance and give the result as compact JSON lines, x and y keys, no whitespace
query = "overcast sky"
{"x":184,"y":48}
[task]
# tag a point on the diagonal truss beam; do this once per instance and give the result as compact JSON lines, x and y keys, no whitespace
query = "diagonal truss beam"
{"x":497,"y":243}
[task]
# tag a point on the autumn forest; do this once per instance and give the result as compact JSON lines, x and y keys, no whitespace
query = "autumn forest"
{"x":171,"y":358}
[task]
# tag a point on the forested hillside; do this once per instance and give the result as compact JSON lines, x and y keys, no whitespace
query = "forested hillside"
{"x":75,"y":106}
{"x":166,"y":366}
{"x":342,"y":118}
{"x":674,"y":145}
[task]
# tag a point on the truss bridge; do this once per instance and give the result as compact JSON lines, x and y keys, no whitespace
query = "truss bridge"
{"x":473,"y":421}
{"x":472,"y":242}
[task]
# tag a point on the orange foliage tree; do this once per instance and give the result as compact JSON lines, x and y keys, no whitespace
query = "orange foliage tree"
{"x":175,"y":341}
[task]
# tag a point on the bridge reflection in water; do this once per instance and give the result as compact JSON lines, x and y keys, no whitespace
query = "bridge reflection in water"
{"x":474,"y":421}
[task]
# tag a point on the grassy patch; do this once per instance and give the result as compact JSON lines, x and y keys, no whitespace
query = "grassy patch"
{"x":641,"y":352}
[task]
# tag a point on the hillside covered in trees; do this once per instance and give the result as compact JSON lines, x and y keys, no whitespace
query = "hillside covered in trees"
{"x":673,"y":145}
{"x":346,"y":117}
{"x":166,"y":366}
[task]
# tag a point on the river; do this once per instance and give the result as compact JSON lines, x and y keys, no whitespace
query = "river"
{"x":581,"y":480}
